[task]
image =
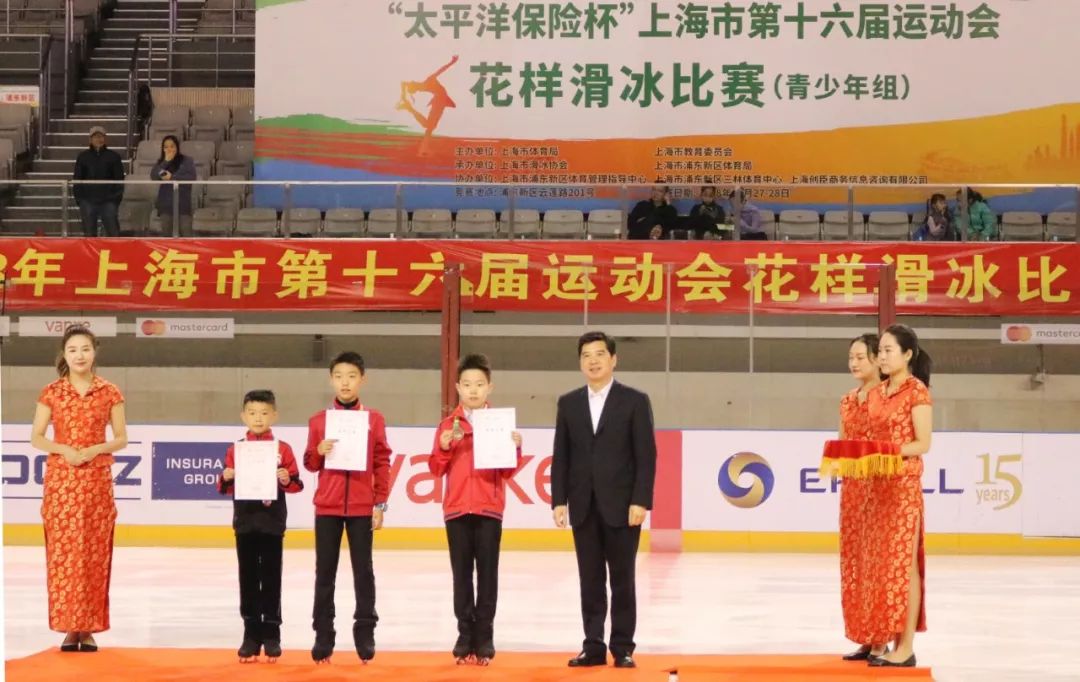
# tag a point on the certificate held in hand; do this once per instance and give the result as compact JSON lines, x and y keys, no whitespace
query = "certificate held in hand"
{"x":256,"y":464}
{"x":493,"y":442}
{"x":349,"y":430}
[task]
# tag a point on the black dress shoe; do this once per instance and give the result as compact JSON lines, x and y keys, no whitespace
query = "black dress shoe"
{"x":88,"y":646}
{"x":861,"y":654}
{"x":625,"y":662}
{"x":880,"y":662}
{"x":70,"y":645}
{"x":583,"y":660}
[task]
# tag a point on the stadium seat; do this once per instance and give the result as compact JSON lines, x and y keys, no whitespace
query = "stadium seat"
{"x":387,"y":222}
{"x":432,"y":222}
{"x":1021,"y":226}
{"x":888,"y":226}
{"x":521,"y":223}
{"x":235,"y":157}
{"x":563,"y":224}
{"x":134,"y":215}
{"x":606,"y":223}
{"x":835,"y":226}
{"x":301,"y":221}
{"x":213,"y":221}
{"x":768,"y":222}
{"x":800,"y":225}
{"x":256,"y":222}
{"x":344,"y":222}
{"x":477,"y":223}
{"x":1061,"y":226}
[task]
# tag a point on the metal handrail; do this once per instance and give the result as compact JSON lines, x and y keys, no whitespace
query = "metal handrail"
{"x":513,"y":189}
{"x":69,"y":40}
{"x":44,"y":95}
{"x":171,"y":38}
{"x":133,"y":68}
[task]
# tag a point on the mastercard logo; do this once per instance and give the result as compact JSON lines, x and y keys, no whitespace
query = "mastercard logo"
{"x":153,"y":327}
{"x":1018,"y":333}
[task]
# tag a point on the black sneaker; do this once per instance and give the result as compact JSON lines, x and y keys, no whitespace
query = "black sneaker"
{"x":324,"y":646}
{"x":364,"y":639}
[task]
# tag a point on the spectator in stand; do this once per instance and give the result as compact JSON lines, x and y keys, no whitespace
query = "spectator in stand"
{"x":654,"y":217}
{"x":939,"y":225}
{"x":99,"y":201}
{"x":707,"y":216}
{"x":981,"y":220}
{"x":749,"y":216}
{"x":173,"y":166}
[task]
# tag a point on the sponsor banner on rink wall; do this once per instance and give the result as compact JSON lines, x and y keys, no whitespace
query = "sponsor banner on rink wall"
{"x":1041,"y":334}
{"x":745,"y":481}
{"x":185,"y":328}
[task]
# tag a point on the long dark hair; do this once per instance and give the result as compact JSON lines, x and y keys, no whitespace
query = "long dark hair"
{"x":873,"y":347}
{"x":75,"y":330}
{"x":178,"y":159}
{"x":920,"y":363}
{"x":871,"y":341}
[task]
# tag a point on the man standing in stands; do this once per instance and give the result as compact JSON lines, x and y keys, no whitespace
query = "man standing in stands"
{"x":99,"y":201}
{"x":653,"y":218}
{"x":602,"y":471}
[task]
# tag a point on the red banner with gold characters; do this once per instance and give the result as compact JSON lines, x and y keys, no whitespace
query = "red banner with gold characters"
{"x":698,"y":277}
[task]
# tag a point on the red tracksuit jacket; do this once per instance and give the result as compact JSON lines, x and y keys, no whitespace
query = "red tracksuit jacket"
{"x":467,"y":490}
{"x":350,"y":493}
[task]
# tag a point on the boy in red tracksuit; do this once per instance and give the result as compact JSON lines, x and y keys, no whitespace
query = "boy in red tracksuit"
{"x":349,"y":501}
{"x":473,"y":505}
{"x":260,"y":529}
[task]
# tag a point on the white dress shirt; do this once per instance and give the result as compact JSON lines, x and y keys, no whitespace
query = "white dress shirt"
{"x":596,"y":403}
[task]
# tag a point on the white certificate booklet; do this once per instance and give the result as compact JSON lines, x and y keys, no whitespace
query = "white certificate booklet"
{"x":493,"y":444}
{"x":350,"y":429}
{"x":256,"y":465}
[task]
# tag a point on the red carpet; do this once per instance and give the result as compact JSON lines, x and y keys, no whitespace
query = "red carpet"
{"x":201,"y":665}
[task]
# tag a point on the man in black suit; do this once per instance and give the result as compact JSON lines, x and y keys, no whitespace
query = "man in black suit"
{"x":603,"y":466}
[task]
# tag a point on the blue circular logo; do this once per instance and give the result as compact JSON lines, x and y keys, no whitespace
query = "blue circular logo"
{"x":738,"y":466}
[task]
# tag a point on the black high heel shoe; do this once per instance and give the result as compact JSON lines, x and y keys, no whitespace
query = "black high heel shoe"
{"x":70,"y":644}
{"x":861,"y":654}
{"x":88,"y":645}
{"x":864,"y":653}
{"x":881,"y":662}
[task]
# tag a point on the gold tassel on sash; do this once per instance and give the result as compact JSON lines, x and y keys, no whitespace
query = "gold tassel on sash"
{"x":860,"y":459}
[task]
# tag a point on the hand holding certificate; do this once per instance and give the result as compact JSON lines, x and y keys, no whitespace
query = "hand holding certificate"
{"x":256,"y":463}
{"x":349,"y":431}
{"x":493,"y":438}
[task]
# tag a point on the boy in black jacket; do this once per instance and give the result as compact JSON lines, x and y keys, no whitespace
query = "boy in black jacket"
{"x":260,"y":529}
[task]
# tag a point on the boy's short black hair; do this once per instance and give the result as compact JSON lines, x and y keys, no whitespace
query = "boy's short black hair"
{"x":592,"y":337}
{"x":348,"y":358}
{"x":474,"y":361}
{"x":260,"y":395}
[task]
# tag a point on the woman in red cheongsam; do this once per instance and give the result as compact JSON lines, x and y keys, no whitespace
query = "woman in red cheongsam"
{"x":855,"y":497}
{"x":78,"y":508}
{"x":901,"y":413}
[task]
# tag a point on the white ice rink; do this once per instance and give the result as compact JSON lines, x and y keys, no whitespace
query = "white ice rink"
{"x":1007,"y":619}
